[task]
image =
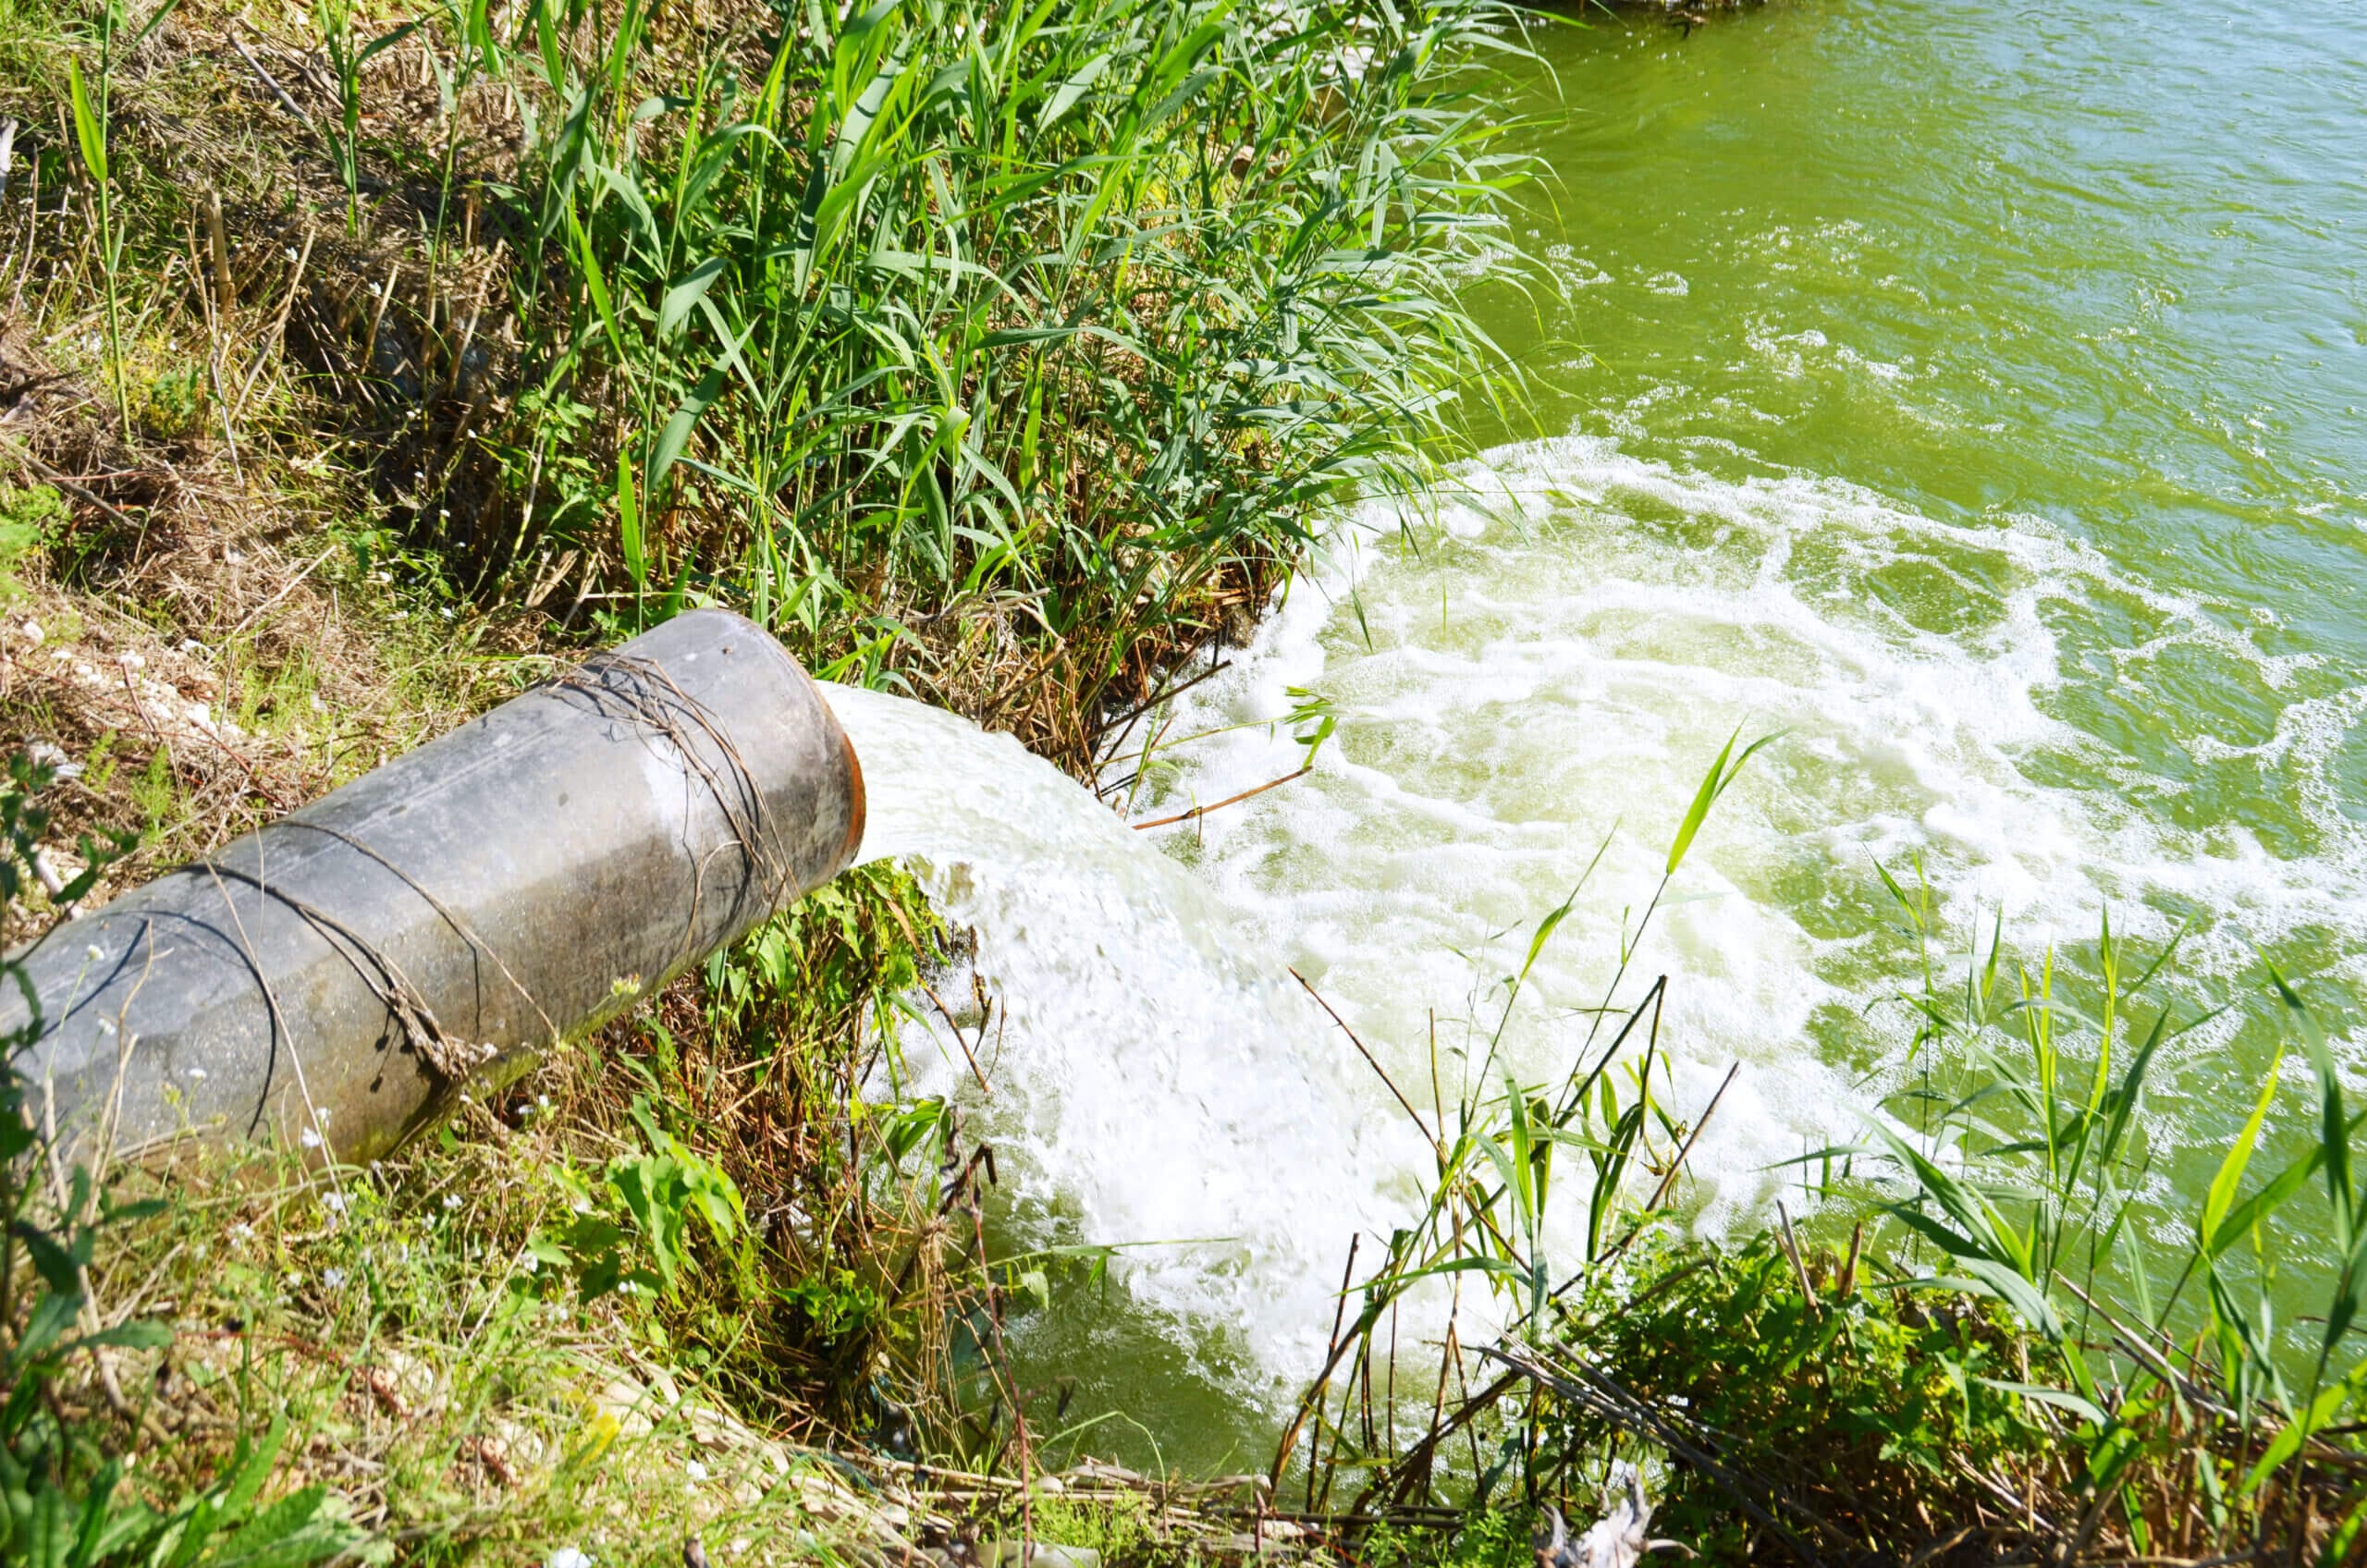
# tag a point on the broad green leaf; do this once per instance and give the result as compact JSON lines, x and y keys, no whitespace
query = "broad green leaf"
{"x":1065,"y":97}
{"x":629,"y":521}
{"x":87,"y":129}
{"x":2221,"y":1195}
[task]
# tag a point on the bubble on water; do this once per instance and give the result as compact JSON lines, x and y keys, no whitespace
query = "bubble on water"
{"x":1544,"y":679}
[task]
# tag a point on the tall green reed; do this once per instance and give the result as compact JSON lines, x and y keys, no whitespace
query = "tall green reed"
{"x":2011,"y":1234}
{"x":1064,"y":308}
{"x":1487,"y":1206}
{"x":92,"y":130}
{"x":348,"y":58}
{"x":2025,"y":1174}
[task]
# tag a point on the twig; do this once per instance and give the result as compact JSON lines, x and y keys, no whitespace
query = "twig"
{"x":967,"y":1055}
{"x":226,"y":287}
{"x":287,"y":588}
{"x":1316,"y":1391}
{"x":1118,"y":725}
{"x":1418,"y":1124}
{"x":52,"y":476}
{"x":279,"y":327}
{"x":277,"y":92}
{"x":1792,"y":1251}
{"x":1607,"y":1399}
{"x":2153,"y":1360}
{"x":1230,"y":800}
{"x":1669,"y":1179}
{"x":377,"y":317}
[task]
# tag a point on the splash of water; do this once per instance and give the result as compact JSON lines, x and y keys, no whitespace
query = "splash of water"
{"x":1157,"y":1077}
{"x":1151,"y":1081}
{"x":1606,"y":622}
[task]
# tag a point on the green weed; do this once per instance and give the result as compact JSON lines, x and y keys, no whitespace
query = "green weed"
{"x":1120,"y":1529}
{"x":1077,"y":315}
{"x":29,"y":519}
{"x":2005,"y":1358}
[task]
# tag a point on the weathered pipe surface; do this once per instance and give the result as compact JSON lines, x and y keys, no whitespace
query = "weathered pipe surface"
{"x":451,"y":913}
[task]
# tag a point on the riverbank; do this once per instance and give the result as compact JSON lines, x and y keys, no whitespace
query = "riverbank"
{"x":1006,"y":368}
{"x":365,"y":367}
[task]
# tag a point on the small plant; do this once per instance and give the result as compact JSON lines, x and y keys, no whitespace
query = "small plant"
{"x":1120,"y":1529}
{"x":348,"y":59}
{"x":91,"y":137}
{"x":29,"y":519}
{"x":174,"y":406}
{"x":633,"y":1230}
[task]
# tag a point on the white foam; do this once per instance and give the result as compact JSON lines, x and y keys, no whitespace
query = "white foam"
{"x":1586,"y":665}
{"x":1149,"y":1084}
{"x":1607,"y":622}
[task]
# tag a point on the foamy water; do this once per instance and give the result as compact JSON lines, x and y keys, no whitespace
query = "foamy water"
{"x":1153,"y":1078}
{"x":1536,"y":688}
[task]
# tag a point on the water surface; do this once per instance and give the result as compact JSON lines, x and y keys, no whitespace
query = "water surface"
{"x":1974,"y":394}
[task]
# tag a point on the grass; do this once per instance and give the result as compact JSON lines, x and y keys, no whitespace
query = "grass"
{"x":997,"y":351}
{"x":361,"y":365}
{"x":1986,"y":1340}
{"x":365,"y":363}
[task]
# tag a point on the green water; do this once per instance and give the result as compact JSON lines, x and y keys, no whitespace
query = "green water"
{"x":1973,"y":393}
{"x":2103,"y":264}
{"x":2093,"y":273}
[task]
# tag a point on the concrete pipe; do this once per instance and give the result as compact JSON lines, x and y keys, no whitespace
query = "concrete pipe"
{"x":441,"y":920}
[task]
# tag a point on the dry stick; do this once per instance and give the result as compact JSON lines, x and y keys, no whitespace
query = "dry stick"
{"x":287,"y":588}
{"x":51,"y":476}
{"x":1328,"y":1464}
{"x":385,"y":297}
{"x":277,"y":92}
{"x":1792,"y":1251}
{"x":279,"y":326}
{"x":1669,"y":1179}
{"x":1606,"y":1400}
{"x":1711,"y":1109}
{"x":2154,"y":1361}
{"x":947,"y":1013}
{"x":1438,"y":1407}
{"x":1316,"y":1391}
{"x":216,"y":322}
{"x":33,"y":230}
{"x":1368,"y":1056}
{"x":1118,"y":726}
{"x":1230,"y":800}
{"x":1365,"y":1381}
{"x":226,"y":287}
{"x":1007,"y":1388}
